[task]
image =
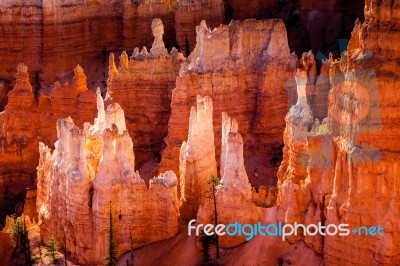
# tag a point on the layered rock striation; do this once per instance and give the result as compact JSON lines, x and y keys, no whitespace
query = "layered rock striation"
{"x":45,"y":36}
{"x":91,"y":173}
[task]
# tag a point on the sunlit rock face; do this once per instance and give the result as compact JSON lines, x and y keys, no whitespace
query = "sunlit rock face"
{"x":90,"y":169}
{"x":365,"y":188}
{"x":234,"y":195}
{"x":142,"y":85}
{"x":244,"y":67}
{"x":26,"y":121}
{"x":197,"y":158}
{"x":344,"y":169}
{"x":198,"y":164}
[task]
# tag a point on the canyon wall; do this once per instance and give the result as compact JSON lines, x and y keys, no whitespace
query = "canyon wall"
{"x":46,"y":37}
{"x":320,"y":24}
{"x":91,"y":173}
{"x":21,"y":35}
{"x":244,"y":67}
{"x":315,"y":25}
{"x":71,"y":39}
{"x":26,"y":121}
{"x":345,"y":169}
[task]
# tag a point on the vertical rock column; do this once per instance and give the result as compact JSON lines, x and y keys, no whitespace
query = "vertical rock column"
{"x":197,"y":158}
{"x":234,"y":196}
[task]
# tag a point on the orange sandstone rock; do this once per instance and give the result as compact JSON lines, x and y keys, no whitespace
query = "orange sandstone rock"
{"x":51,"y":37}
{"x":189,"y":14}
{"x":197,"y":158}
{"x":142,"y":85}
{"x":90,"y":170}
{"x":359,"y":143}
{"x":234,"y":195}
{"x":244,"y":67}
{"x":26,"y":121}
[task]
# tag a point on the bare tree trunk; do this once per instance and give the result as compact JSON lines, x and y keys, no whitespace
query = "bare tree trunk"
{"x":216,"y":222}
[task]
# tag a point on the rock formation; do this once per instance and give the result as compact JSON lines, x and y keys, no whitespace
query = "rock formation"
{"x":197,"y":158}
{"x":46,"y":37}
{"x":5,"y":248}
{"x":158,"y":47}
{"x":189,"y":14}
{"x":22,"y":34}
{"x":244,"y":67}
{"x":90,"y":170}
{"x":26,"y":121}
{"x":344,"y":170}
{"x":137,"y":16}
{"x":198,"y":164}
{"x":234,"y":196}
{"x":142,"y":85}
{"x":340,"y":158}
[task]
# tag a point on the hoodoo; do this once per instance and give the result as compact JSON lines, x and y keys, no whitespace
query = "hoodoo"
{"x":165,"y":132}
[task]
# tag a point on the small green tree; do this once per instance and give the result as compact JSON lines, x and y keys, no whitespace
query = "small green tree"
{"x":111,"y":259}
{"x":22,"y":253}
{"x":52,"y":249}
{"x":211,"y":191}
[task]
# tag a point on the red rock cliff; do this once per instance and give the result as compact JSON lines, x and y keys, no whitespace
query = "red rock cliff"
{"x":51,"y":41}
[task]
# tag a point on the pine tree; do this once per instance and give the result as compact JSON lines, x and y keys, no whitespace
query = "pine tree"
{"x":111,"y":259}
{"x":25,"y":244}
{"x":52,"y":249}
{"x":22,"y":253}
{"x":213,"y":183}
